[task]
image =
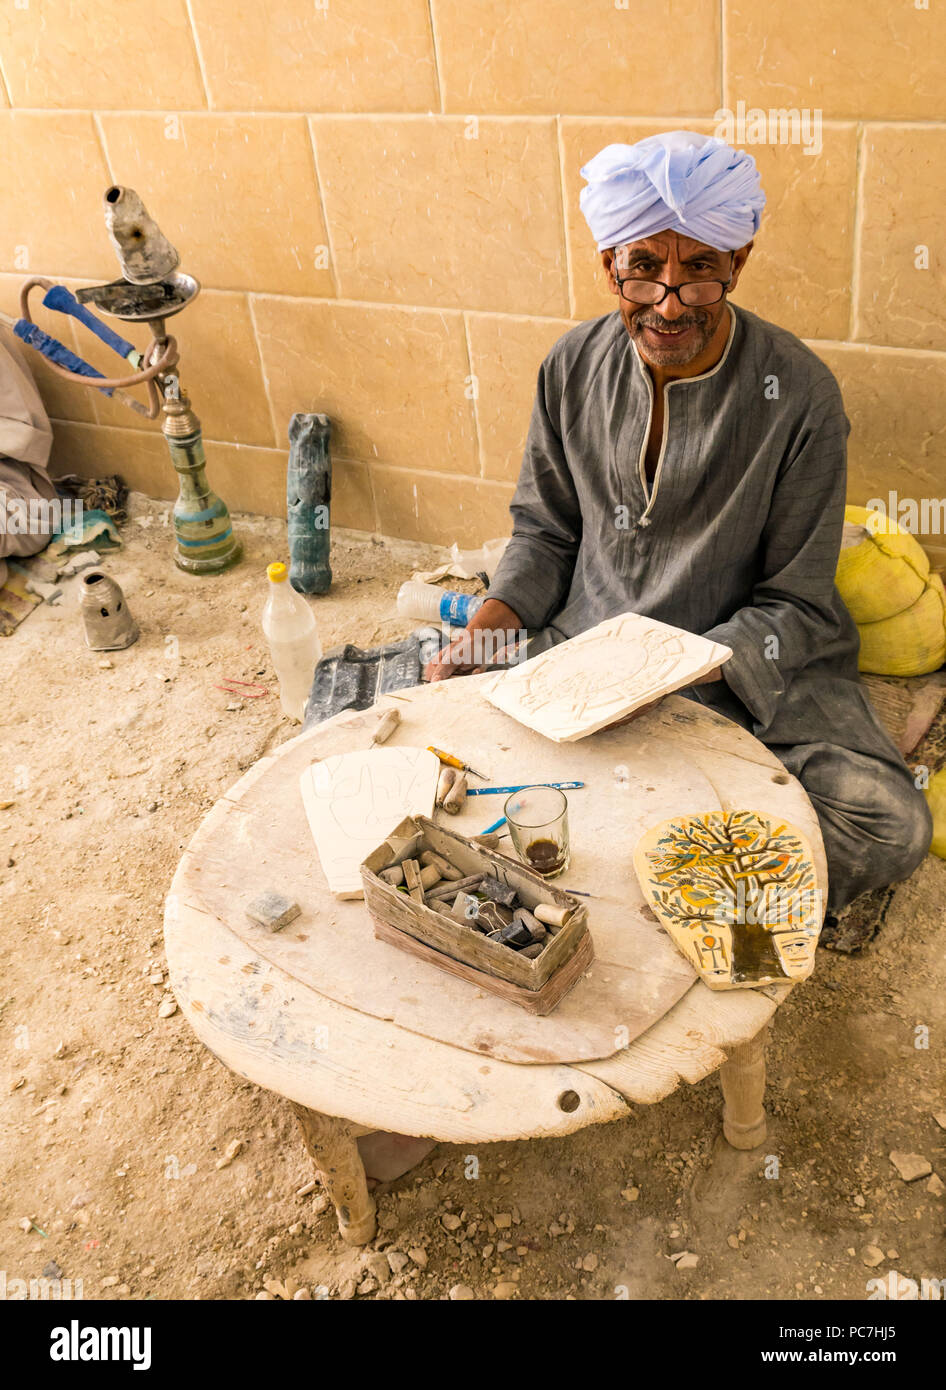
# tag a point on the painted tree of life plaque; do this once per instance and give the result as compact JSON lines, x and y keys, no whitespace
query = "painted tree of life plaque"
{"x":737,"y":894}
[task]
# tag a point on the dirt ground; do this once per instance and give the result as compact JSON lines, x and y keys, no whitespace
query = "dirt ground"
{"x":114,"y":1118}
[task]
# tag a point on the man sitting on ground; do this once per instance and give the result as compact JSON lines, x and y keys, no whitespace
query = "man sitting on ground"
{"x":686,"y":460}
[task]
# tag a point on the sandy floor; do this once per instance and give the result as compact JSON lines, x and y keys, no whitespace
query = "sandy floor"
{"x":112,"y":1119}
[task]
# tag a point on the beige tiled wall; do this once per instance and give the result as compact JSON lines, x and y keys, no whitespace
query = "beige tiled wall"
{"x":381,"y":203}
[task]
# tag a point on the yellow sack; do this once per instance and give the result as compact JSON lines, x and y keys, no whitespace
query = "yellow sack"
{"x":882,"y":569}
{"x":935,"y":794}
{"x":911,"y":644}
{"x":899,"y":605}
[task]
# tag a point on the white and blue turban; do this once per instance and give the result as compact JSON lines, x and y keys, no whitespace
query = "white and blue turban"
{"x":696,"y":185}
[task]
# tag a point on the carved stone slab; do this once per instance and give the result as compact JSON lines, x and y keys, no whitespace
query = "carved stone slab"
{"x":737,"y":893}
{"x":354,"y":800}
{"x":591,"y":680}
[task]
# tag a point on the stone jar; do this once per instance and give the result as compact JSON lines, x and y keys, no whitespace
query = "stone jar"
{"x":109,"y":625}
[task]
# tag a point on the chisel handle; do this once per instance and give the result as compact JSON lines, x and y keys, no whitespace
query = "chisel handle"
{"x":447,"y":758}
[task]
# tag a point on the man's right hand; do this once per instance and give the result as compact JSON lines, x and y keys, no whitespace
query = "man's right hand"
{"x":494,"y":617}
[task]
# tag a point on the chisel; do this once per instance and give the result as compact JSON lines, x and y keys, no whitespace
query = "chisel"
{"x":451,"y":761}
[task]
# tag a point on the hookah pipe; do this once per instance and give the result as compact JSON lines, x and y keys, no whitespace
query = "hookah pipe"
{"x":205,"y":540}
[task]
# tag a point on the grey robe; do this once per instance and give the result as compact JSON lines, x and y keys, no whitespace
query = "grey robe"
{"x":738,"y":539}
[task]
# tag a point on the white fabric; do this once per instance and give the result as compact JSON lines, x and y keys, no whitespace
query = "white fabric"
{"x":25,"y":441}
{"x":679,"y":182}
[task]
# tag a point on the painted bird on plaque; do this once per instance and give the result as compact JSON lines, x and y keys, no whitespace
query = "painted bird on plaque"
{"x":737,"y":894}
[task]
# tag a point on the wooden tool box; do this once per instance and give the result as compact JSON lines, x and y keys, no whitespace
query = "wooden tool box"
{"x":536,"y":985}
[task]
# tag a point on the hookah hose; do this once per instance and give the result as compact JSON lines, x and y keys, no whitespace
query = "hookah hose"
{"x":159,"y":356}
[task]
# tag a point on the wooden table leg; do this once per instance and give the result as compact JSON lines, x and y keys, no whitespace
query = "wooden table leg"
{"x":331,"y":1144}
{"x":742,"y":1078}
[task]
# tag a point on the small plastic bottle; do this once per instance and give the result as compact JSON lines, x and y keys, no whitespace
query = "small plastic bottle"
{"x":431,"y":604}
{"x":293,"y":640}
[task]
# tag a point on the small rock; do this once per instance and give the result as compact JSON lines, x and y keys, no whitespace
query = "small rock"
{"x":590,"y":1263}
{"x":156,"y":977}
{"x":368,"y":1285}
{"x":320,"y":1204}
{"x":872,"y":1256}
{"x":235,"y":1147}
{"x":419,"y":1257}
{"x":685,"y":1260}
{"x":377,"y":1264}
{"x":302,"y":1296}
{"x":82,"y":561}
{"x":110,"y":1281}
{"x":451,"y":1222}
{"x":503,"y":1221}
{"x":732,"y":1242}
{"x":859,"y":1201}
{"x":940,"y":1118}
{"x":397,"y":1260}
{"x":168,"y":1007}
{"x":272,"y":910}
{"x":106,"y":665}
{"x":52,"y":1270}
{"x":461,"y":1293}
{"x":631,"y":1194}
{"x":25,"y":1223}
{"x":295,"y":1229}
{"x":505,"y":1289}
{"x":935,"y":1185}
{"x":47,"y":592}
{"x":264,"y":1297}
{"x":911,"y":1166}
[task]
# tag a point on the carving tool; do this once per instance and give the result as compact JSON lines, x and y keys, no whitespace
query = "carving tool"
{"x":451,"y":761}
{"x":495,"y":791}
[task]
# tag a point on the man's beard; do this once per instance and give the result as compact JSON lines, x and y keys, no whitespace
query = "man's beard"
{"x":669,"y":354}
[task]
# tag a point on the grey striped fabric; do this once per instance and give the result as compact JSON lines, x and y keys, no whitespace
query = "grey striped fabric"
{"x":738,"y":539}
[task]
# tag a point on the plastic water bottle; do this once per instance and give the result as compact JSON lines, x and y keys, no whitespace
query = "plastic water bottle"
{"x":431,"y":604}
{"x":293,"y":641}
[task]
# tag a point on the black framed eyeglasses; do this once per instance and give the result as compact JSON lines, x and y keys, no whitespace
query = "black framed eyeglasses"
{"x":691,"y":293}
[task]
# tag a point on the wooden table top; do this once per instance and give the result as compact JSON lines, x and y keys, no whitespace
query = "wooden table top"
{"x":328,"y":1016}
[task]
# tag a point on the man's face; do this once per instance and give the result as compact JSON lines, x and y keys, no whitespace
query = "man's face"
{"x":671,"y":334}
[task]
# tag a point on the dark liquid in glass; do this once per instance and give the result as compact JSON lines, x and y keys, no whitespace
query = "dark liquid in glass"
{"x":545,"y":856}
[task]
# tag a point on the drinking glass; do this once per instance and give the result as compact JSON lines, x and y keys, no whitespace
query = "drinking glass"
{"x":538,"y":824}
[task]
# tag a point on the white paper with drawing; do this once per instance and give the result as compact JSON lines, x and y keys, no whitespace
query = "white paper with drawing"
{"x":602,"y":675}
{"x":354,"y":800}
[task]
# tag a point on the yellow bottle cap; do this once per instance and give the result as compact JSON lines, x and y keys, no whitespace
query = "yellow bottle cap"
{"x":277,"y":572}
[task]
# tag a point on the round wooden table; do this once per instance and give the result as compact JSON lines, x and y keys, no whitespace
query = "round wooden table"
{"x":361,"y":1036}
